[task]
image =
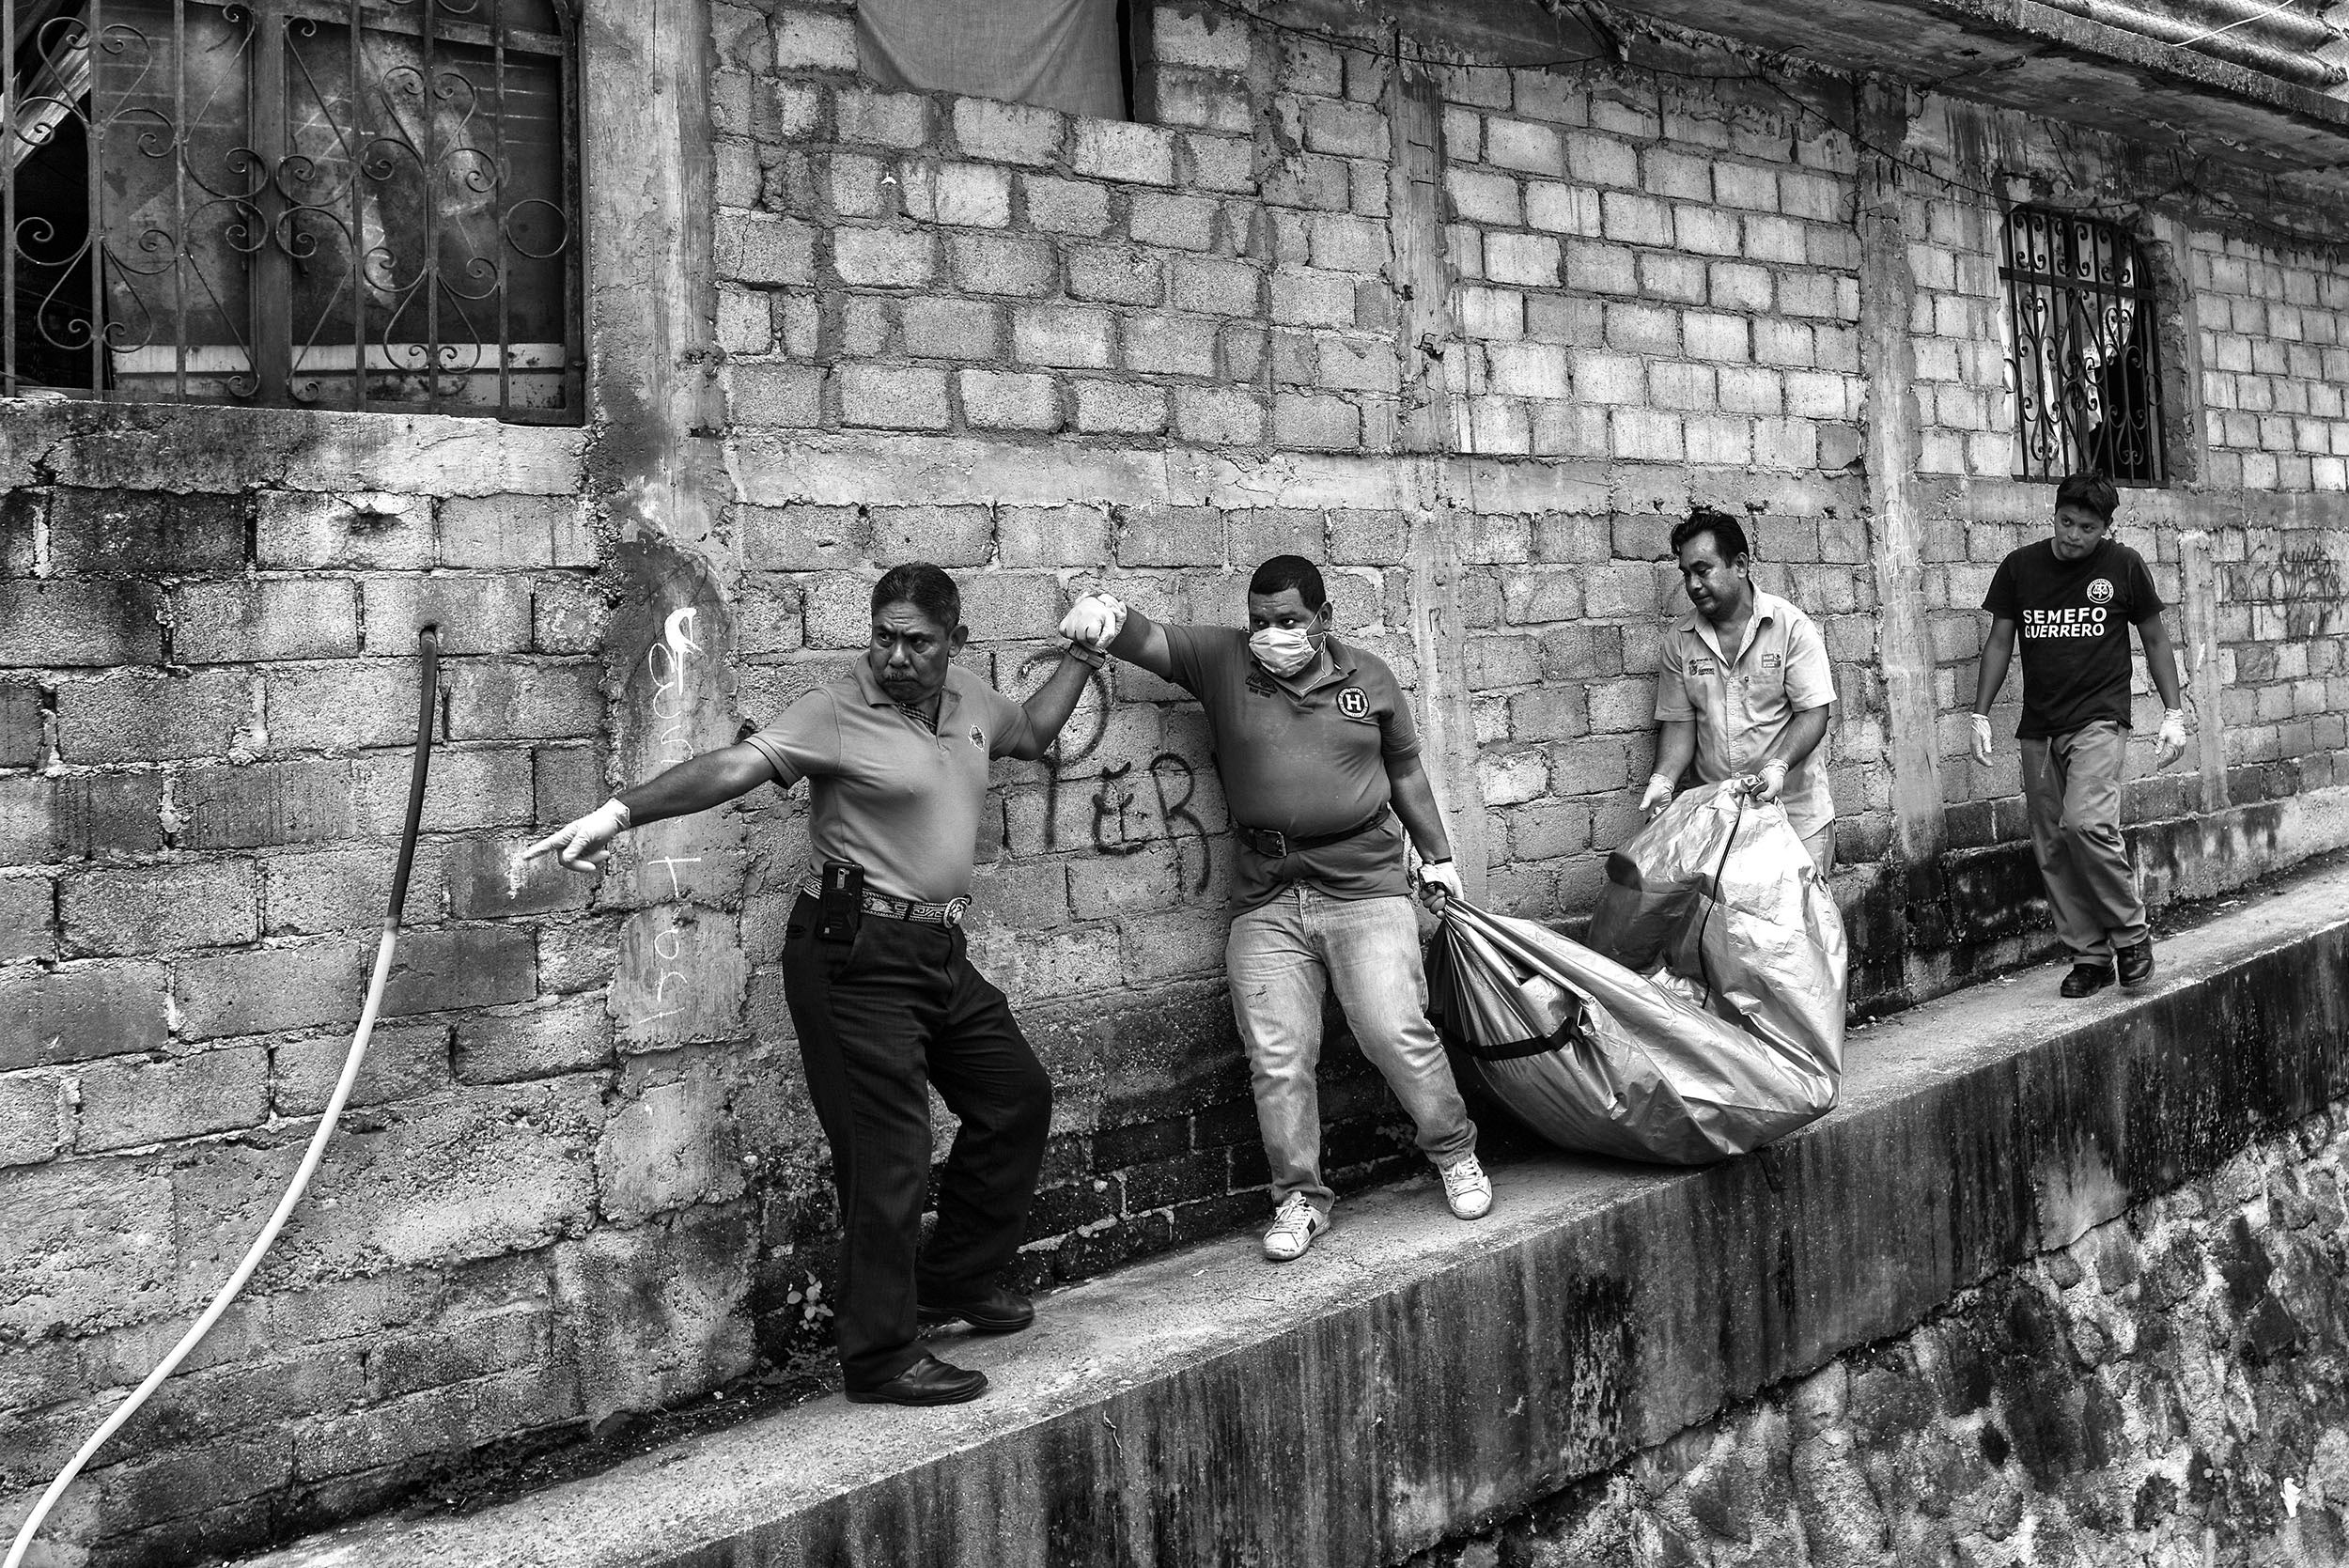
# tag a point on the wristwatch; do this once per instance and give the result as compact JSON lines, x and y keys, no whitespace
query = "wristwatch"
{"x":1084,"y":655}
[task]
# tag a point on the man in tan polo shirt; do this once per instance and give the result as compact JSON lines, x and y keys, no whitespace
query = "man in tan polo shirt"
{"x":1320,"y":759}
{"x":1745,"y":688}
{"x":881,"y":988}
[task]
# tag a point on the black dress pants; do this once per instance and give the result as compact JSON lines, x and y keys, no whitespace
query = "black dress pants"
{"x":879,"y":1019}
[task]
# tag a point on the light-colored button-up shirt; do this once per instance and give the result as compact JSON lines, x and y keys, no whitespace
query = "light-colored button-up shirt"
{"x":887,"y":792}
{"x":1743,"y":699}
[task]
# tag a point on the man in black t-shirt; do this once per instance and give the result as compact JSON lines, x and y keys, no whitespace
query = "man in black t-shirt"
{"x":2073,"y":598}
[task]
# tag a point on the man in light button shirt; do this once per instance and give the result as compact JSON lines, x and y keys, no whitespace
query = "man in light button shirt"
{"x":1745,"y":688}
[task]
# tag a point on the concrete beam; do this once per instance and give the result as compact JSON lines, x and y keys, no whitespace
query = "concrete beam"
{"x":1413,"y":1376}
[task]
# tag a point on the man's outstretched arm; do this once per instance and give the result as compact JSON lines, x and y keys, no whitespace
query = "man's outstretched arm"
{"x":694,"y":784}
{"x":1107,"y":624}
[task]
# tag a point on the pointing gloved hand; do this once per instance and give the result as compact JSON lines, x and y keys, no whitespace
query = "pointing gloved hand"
{"x":1767,"y":784}
{"x":1982,"y":737}
{"x":585,"y":843}
{"x":1094,"y":621}
{"x":2169,"y":741}
{"x":1438,"y":880}
{"x":1658,"y":795}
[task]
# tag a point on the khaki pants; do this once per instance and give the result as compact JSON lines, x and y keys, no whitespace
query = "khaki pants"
{"x":2072,"y":784}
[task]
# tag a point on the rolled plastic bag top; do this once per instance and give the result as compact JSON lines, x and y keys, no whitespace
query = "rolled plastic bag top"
{"x":1720,"y":893}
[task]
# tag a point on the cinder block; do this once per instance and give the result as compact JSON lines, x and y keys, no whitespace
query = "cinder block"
{"x":1310,"y":298}
{"x":1609,"y":377}
{"x":32,"y":1120}
{"x":764,"y":251}
{"x":155,"y":908}
{"x":1602,"y":161}
{"x":884,"y":118}
{"x":1722,"y":439}
{"x":1529,"y":260}
{"x":1002,"y":606}
{"x":883,"y":258}
{"x":1786,"y":344}
{"x":945,"y":536}
{"x":1008,"y":132}
{"x":1210,"y":161}
{"x":1674,"y":384}
{"x":1480,"y":197}
{"x":1527,"y":145}
{"x":128,"y":718}
{"x":1007,"y":400}
{"x":510,"y":699}
{"x":1216,"y":287}
{"x":77,"y":1012}
{"x":814,"y":41}
{"x":29,"y":921}
{"x":1118,"y":276}
{"x":1169,"y":537}
{"x":506,"y":531}
{"x":1177,"y":222}
{"x":1061,"y":335}
{"x":1512,"y":778}
{"x":1357,"y":364}
{"x":305,"y":529}
{"x":131,"y":1101}
{"x":1347,"y":130}
{"x":952,"y":329}
{"x":893,"y":398}
{"x":462,"y":966}
{"x":22,"y":740}
{"x":95,"y":533}
{"x":1168,"y":345}
{"x":1066,"y":206}
{"x":965,"y":196}
{"x":1706,"y":230}
{"x":1120,"y":408}
{"x":784,"y":395}
{"x":1596,"y":268}
{"x":52,"y":625}
{"x":1216,"y":416}
{"x":260,"y":619}
{"x":746,"y":321}
{"x":476,"y":612}
{"x":1315,"y":421}
{"x":511,"y":1044}
{"x":1563,"y":208}
{"x":1742,"y":185}
{"x":1002,"y":264}
{"x":1121,"y":151}
{"x":1635,"y":220}
{"x":1528,"y":369}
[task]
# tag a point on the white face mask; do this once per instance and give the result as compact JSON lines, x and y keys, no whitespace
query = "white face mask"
{"x":1283,"y":651}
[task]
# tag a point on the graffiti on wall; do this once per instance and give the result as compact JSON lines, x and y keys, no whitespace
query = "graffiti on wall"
{"x":1124,"y":819}
{"x":667,"y":661}
{"x":2303,"y":581}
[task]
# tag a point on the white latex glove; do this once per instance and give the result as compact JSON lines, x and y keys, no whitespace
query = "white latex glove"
{"x":1769,"y":782}
{"x":2169,"y":741}
{"x":1094,"y":621}
{"x":585,"y":843}
{"x":1440,"y":877}
{"x":1659,"y":794}
{"x":1982,"y":737}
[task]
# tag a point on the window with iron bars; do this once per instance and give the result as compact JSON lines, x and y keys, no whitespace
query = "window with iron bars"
{"x":325,"y":204}
{"x":2083,"y":352}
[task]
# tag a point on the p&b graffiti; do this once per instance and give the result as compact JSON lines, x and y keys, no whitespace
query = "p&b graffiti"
{"x":1122,"y":823}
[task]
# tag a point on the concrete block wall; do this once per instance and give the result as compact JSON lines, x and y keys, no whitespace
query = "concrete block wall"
{"x":1050,"y":353}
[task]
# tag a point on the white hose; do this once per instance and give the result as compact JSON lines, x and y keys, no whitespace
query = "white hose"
{"x":253,"y":1256}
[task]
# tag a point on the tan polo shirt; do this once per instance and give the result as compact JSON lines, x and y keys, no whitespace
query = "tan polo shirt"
{"x":1743,"y":699}
{"x":884,"y":791}
{"x":1306,"y":762}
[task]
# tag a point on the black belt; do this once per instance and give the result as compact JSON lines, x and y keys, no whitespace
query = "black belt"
{"x":948,"y":913}
{"x":1274,"y":844}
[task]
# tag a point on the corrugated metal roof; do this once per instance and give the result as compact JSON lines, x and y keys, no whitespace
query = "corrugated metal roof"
{"x":2303,"y":41}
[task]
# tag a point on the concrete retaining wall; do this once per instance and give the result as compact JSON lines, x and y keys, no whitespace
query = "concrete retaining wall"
{"x":1412,"y":1381}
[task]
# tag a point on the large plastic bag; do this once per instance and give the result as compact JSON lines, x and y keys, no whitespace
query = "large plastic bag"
{"x":1592,"y":1055}
{"x":1720,"y":893}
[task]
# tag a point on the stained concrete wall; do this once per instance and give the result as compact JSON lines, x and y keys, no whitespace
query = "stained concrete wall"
{"x":830,"y":329}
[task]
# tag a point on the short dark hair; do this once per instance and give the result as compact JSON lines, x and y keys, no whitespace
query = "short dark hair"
{"x":2089,"y":491}
{"x":1291,"y":571}
{"x":1729,"y":536}
{"x":925,"y":587}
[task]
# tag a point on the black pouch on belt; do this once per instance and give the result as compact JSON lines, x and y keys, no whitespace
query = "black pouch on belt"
{"x":840,"y":905}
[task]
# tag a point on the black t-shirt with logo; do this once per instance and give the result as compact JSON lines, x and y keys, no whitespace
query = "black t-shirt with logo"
{"x":2073,"y":618}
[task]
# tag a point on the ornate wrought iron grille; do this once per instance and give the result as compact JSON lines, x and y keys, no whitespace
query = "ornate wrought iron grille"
{"x":347,"y":204}
{"x":2083,"y":355}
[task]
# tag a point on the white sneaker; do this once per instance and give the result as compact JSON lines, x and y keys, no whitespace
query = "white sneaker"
{"x":1294,"y":1224}
{"x":1466,"y":1188}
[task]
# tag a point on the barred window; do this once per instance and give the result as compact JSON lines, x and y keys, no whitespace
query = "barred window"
{"x":328,"y":204}
{"x":2082,"y":350}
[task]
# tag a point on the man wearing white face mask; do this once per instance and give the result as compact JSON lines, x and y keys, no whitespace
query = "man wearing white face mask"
{"x":1320,"y":759}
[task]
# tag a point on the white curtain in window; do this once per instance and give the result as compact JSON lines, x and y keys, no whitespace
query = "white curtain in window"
{"x":1059,"y":53}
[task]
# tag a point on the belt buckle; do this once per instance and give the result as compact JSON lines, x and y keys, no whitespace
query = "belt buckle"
{"x":1280,"y":841}
{"x":954,"y":908}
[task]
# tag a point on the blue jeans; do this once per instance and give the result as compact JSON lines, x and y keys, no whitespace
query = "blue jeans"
{"x":1279,"y":958}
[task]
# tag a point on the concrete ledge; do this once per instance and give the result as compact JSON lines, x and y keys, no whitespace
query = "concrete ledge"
{"x":1413,"y":1376}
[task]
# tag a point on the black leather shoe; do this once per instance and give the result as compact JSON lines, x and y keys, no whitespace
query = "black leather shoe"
{"x":2085,"y":980}
{"x":999,"y":1311}
{"x":2136,"y":962}
{"x":928,"y":1381}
